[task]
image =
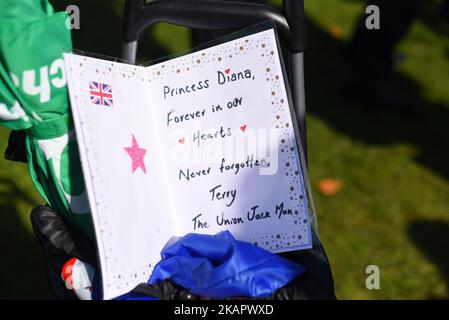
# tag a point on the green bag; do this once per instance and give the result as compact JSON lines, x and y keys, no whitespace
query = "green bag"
{"x":33,"y":97}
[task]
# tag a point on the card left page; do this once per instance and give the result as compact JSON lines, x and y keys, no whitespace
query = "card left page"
{"x":122,"y":169}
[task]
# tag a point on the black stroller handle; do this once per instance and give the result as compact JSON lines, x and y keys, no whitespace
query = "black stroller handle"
{"x":214,"y":15}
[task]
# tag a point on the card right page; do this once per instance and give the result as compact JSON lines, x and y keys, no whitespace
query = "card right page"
{"x":232,"y":158}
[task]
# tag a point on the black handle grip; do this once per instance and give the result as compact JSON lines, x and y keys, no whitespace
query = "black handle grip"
{"x":206,"y":14}
{"x":294,"y":12}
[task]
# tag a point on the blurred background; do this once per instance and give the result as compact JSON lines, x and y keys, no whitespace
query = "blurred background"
{"x":378,"y":159}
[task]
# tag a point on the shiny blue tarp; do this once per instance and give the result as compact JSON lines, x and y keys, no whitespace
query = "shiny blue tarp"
{"x":221,"y":267}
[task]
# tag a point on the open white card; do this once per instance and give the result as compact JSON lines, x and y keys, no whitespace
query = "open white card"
{"x":200,"y":143}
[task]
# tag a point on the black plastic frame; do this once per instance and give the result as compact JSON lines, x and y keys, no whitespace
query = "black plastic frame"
{"x":215,"y":15}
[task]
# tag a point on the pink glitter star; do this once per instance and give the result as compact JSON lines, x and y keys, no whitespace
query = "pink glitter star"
{"x":136,"y":155}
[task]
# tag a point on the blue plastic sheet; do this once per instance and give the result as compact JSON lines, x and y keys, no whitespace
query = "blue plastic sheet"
{"x":221,"y":267}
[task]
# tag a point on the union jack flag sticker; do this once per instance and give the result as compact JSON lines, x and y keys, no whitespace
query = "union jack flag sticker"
{"x":100,"y":93}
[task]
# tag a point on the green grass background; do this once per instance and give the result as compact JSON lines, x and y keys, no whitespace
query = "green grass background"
{"x":393,"y":209}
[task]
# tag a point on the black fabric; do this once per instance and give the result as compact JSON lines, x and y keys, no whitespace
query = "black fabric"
{"x":317,"y":282}
{"x":200,"y":36}
{"x":16,"y":151}
{"x":298,"y":289}
{"x":59,"y":244}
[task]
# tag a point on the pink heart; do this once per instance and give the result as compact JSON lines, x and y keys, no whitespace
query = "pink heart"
{"x":182,"y":140}
{"x":243,"y":128}
{"x":227,"y":71}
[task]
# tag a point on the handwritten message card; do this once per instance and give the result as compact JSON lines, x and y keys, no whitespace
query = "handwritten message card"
{"x":200,"y":143}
